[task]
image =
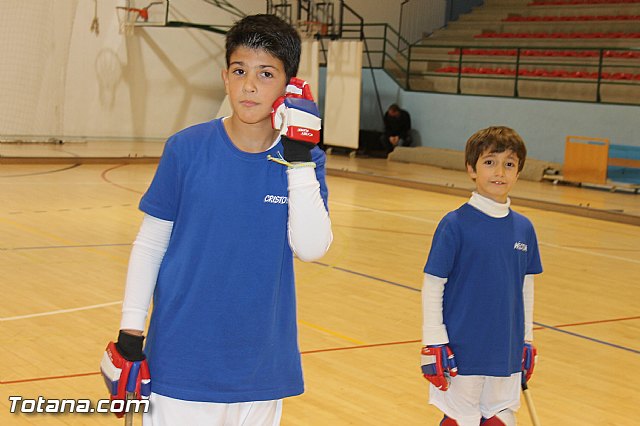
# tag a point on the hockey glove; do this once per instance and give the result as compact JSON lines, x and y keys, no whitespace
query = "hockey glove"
{"x":438,"y":365}
{"x":125,"y":370}
{"x":529,"y":358}
{"x":297,"y":117}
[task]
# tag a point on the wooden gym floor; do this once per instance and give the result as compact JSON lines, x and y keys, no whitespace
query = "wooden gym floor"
{"x":67,"y":231}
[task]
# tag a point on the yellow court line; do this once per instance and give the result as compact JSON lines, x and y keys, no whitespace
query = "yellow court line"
{"x":331,"y":332}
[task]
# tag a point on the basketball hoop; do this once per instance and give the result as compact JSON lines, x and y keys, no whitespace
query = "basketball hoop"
{"x":312,"y":28}
{"x":127,"y":18}
{"x":130,"y":17}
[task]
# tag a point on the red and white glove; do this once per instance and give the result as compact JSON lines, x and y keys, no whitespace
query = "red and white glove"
{"x":438,"y":365}
{"x":529,"y":359}
{"x":297,"y":117}
{"x":125,"y":369}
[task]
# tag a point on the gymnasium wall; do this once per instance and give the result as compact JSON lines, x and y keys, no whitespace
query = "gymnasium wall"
{"x":60,"y":80}
{"x":57,"y":79}
{"x":447,"y":121}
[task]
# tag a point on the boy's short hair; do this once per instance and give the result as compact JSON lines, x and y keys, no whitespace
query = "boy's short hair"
{"x":494,"y":139}
{"x":268,"y":33}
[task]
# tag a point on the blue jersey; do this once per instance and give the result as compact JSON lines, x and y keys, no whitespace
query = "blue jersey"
{"x":484,"y":260}
{"x":223,"y":327}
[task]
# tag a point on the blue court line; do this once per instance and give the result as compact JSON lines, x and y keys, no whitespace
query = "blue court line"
{"x":348,"y":271}
{"x":550,"y":327}
{"x":624,"y":348}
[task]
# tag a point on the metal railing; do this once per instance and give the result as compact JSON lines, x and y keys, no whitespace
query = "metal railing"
{"x":564,"y":72}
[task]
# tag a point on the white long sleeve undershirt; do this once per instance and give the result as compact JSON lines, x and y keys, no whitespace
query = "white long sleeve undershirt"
{"x":434,"y":331}
{"x":309,"y":233}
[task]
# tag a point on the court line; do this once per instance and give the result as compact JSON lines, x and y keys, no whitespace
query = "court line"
{"x":583,"y":251}
{"x":103,"y":175}
{"x":392,"y":231}
{"x":60,"y":311}
{"x":330,"y":332}
{"x":63,"y":241}
{"x":373,"y":345}
{"x":593,"y":339}
{"x":47,"y":172}
{"x":420,"y":219}
{"x":39,"y":379}
{"x":597,"y":321}
{"x":360,"y":274}
{"x":64,"y":247}
{"x":577,"y":250}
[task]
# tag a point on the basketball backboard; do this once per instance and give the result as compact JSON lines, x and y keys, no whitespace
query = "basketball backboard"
{"x":142,"y":13}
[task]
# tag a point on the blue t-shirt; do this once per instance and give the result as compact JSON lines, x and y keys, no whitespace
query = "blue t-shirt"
{"x":223,"y":327}
{"x":484,"y":260}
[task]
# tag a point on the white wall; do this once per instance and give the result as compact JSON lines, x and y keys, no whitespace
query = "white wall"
{"x":58,"y":79}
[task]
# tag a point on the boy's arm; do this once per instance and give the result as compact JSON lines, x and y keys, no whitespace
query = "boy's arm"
{"x":529,"y":353}
{"x":309,"y":225}
{"x":528,"y":307}
{"x":437,"y":360}
{"x":296,"y":116}
{"x":434,"y":332}
{"x":144,"y":264}
{"x":124,"y":365}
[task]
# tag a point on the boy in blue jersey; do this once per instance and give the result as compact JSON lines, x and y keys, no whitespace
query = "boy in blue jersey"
{"x":477,"y":294}
{"x":231,"y":202}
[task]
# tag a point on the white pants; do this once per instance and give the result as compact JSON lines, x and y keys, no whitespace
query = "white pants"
{"x":165,"y":411}
{"x":469,"y":398}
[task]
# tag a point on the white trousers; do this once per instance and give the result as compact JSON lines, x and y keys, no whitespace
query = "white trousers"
{"x":165,"y":411}
{"x":469,"y":398}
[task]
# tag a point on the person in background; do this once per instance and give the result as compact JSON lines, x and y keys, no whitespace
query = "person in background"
{"x":397,"y":128}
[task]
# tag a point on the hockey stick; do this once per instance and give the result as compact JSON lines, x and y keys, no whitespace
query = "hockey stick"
{"x":131,"y":392}
{"x":128,"y":417}
{"x":532,"y":408}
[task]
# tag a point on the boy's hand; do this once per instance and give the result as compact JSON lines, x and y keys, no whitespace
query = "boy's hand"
{"x":529,"y":359}
{"x":296,"y":116}
{"x":125,"y":370}
{"x":438,"y":365}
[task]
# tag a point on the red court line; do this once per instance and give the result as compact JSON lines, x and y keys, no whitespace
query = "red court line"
{"x":38,"y":379}
{"x":596,"y":322}
{"x":315,"y":351}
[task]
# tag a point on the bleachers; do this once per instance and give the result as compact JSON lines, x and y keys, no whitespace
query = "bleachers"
{"x":541,"y":73}
{"x":579,"y":2}
{"x":628,"y":54}
{"x":564,"y":18}
{"x":588,"y":50}
{"x":559,"y":35}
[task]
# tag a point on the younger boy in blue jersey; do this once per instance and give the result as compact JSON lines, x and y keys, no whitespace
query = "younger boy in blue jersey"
{"x":231,"y":202}
{"x":477,"y":294}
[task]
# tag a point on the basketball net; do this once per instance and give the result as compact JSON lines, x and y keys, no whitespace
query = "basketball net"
{"x":127,"y":17}
{"x":310,"y":29}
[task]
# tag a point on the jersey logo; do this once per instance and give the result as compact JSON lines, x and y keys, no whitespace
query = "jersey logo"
{"x":276,"y":199}
{"x":520,"y":246}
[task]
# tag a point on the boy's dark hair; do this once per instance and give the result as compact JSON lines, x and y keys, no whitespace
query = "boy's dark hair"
{"x":268,"y":33}
{"x":494,"y":139}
